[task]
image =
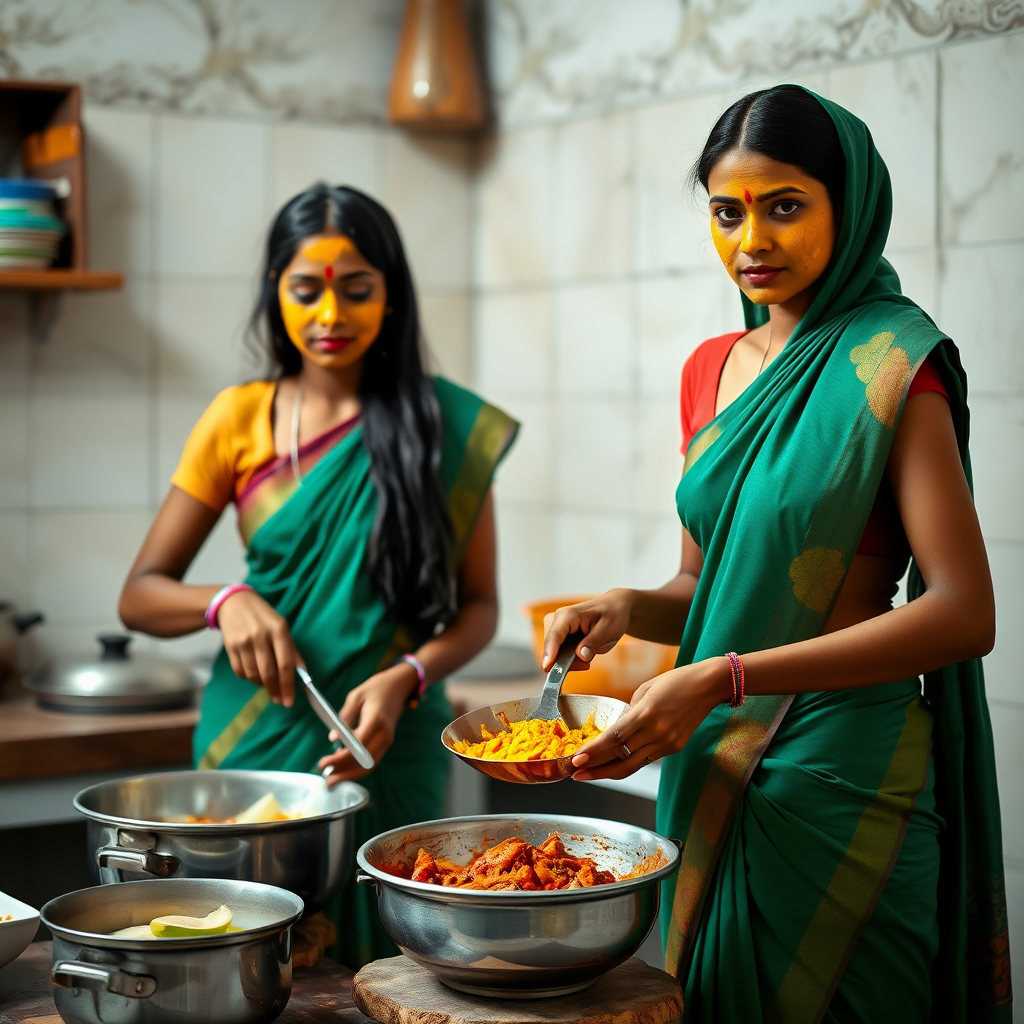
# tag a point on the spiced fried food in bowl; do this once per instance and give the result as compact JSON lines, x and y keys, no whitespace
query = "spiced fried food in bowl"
{"x":465,"y":736}
{"x":518,"y":907}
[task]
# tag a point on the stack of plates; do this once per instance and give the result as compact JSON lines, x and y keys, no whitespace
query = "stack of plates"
{"x":30,"y":232}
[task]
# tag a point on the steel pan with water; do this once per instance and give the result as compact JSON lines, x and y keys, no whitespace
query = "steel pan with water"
{"x":237,"y":978}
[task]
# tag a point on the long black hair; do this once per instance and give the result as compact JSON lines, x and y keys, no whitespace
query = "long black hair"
{"x":785,"y":123}
{"x":409,"y":555}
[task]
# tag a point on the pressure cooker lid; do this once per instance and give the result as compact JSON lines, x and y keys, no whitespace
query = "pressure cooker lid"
{"x":116,"y":671}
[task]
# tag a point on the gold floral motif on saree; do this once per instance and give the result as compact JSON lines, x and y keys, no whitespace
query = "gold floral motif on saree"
{"x":817,"y":574}
{"x":886,"y":371}
{"x":700,"y":445}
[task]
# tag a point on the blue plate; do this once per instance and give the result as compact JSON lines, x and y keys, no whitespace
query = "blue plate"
{"x":26,"y":188}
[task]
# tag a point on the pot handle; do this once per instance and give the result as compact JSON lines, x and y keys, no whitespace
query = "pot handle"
{"x":362,"y":878}
{"x":117,"y":857}
{"x":75,"y":974}
{"x":677,"y":843}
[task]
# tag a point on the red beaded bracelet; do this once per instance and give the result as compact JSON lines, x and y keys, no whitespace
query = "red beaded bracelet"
{"x":738,"y":681}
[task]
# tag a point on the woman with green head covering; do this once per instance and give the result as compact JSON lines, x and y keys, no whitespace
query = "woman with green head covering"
{"x":840,"y":820}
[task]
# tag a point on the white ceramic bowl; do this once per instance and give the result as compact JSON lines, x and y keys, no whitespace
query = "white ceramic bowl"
{"x":15,"y":935}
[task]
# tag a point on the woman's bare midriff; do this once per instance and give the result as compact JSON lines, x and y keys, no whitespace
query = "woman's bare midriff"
{"x":870,"y":585}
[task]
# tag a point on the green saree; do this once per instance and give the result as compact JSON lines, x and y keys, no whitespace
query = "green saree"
{"x":842,"y":857}
{"x":307,"y":557}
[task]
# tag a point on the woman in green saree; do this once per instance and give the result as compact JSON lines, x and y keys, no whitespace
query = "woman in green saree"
{"x":842,"y":857}
{"x":363,"y":495}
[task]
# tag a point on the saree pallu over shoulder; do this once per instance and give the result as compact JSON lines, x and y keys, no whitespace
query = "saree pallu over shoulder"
{"x":307,"y":559}
{"x":776,"y":492}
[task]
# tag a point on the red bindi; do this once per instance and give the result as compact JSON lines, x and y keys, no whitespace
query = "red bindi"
{"x":328,"y":272}
{"x":746,"y":196}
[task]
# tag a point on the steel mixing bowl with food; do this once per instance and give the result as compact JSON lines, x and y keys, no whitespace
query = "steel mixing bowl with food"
{"x":241,"y":976}
{"x":179,"y":825}
{"x":518,"y":943}
{"x":582,"y":715}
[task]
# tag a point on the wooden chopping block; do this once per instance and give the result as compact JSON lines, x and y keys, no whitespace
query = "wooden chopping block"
{"x":399,"y":991}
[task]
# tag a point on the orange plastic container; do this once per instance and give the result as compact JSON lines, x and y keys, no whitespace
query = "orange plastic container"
{"x":615,"y":674}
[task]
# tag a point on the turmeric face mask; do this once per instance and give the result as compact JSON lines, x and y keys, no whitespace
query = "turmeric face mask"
{"x":332,"y":301}
{"x":772,"y":225}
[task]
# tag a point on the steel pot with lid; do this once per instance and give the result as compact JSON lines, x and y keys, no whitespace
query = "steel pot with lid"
{"x":117,"y":680}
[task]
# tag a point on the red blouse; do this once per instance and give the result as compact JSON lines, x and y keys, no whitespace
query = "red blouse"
{"x":702,"y":372}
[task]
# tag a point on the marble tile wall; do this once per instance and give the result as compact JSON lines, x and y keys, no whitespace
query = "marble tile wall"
{"x":92,"y":421}
{"x":595,"y":278}
{"x":312,"y":60}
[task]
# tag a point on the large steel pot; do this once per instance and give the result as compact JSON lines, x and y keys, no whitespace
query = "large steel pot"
{"x":136,"y":830}
{"x":239,"y":978}
{"x":518,"y":945}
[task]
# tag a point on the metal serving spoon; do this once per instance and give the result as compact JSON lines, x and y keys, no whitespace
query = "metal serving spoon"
{"x":327,"y":715}
{"x":548,"y":706}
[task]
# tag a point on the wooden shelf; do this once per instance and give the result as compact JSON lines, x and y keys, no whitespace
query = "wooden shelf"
{"x":58,"y":279}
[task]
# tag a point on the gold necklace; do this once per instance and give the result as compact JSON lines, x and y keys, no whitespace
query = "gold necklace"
{"x":767,"y":349}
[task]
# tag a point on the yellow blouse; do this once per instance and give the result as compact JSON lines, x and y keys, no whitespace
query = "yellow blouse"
{"x":232,"y":439}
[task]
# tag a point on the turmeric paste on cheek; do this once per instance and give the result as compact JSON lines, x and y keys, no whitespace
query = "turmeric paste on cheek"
{"x":533,"y":740}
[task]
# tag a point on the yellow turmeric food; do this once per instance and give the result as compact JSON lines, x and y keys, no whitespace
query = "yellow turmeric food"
{"x":533,"y":740}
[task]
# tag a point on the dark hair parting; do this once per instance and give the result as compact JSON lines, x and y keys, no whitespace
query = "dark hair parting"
{"x":785,"y":123}
{"x":409,"y":555}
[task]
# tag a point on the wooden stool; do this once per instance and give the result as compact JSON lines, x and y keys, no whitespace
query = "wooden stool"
{"x":399,"y":991}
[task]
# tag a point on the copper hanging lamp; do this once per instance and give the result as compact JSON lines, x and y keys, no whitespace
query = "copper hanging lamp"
{"x":435,"y":83}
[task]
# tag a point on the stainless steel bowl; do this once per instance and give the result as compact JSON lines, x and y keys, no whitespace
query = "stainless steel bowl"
{"x":136,"y":830}
{"x":239,"y":978}
{"x":518,"y":945}
{"x":575,"y":707}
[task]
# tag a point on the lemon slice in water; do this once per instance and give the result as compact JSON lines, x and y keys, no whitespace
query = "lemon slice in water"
{"x":134,"y":931}
{"x":176,"y":927}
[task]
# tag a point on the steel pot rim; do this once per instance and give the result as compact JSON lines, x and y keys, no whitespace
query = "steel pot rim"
{"x":219,"y":828}
{"x":101,"y":940}
{"x":560,"y":823}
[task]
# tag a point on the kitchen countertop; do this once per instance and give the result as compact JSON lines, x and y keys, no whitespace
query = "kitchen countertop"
{"x":36,"y":743}
{"x":319,"y":994}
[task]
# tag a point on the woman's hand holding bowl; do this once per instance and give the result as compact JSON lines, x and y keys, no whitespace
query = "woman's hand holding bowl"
{"x":663,"y":714}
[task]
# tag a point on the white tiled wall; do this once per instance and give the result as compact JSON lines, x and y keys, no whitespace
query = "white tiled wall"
{"x":596,"y":278}
{"x":92,"y":421}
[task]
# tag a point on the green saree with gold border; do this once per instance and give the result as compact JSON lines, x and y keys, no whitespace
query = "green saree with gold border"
{"x":307,"y":558}
{"x":842,"y":857}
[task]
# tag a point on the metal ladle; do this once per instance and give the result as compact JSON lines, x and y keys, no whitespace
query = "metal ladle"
{"x":572,"y":708}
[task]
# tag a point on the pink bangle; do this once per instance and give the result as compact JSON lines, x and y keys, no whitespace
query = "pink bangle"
{"x":218,"y":599}
{"x":738,"y":680}
{"x":421,"y":673}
